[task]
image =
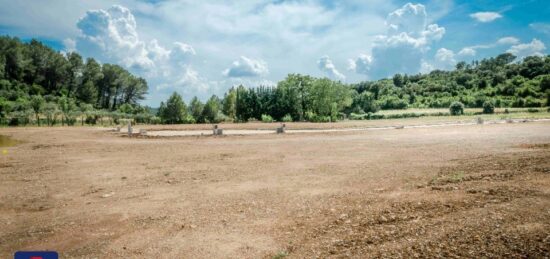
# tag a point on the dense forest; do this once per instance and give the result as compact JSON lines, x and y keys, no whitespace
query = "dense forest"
{"x":41,"y":85}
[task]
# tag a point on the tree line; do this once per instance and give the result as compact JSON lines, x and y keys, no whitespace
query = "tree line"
{"x":37,"y":80}
{"x":492,"y":82}
{"x":39,"y":84}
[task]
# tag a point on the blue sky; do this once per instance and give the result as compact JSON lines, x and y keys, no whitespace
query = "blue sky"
{"x":205,"y":47}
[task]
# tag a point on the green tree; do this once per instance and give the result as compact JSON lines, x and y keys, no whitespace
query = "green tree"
{"x":68,"y":107}
{"x":229,"y":103}
{"x":37,"y":101}
{"x":212,"y":109}
{"x":175,"y":110}
{"x":51,"y":110}
{"x":195,"y":109}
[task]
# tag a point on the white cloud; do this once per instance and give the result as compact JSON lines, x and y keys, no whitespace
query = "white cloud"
{"x":444,"y":59}
{"x":111,"y":37}
{"x":246,"y":67}
{"x":508,"y":41}
{"x":486,"y":16}
{"x":69,"y":44}
{"x":467,"y":51}
{"x":361,"y":64}
{"x":411,"y":18}
{"x":426,"y":67}
{"x":326,"y":65}
{"x":534,"y":48}
{"x":181,"y":52}
{"x":541,"y":27}
{"x":472,"y":50}
{"x":403,"y":48}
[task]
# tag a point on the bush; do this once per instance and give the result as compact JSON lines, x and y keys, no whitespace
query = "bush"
{"x":372,"y":116}
{"x":313,"y":117}
{"x":532,"y":110}
{"x":355,"y":116}
{"x":287,"y":118}
{"x":155,"y":120}
{"x":456,"y":108}
{"x":532,"y":102}
{"x":488,"y":107}
{"x":266,"y":118}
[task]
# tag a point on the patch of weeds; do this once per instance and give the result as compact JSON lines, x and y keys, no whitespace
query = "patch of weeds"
{"x":454,"y":178}
{"x":280,"y":255}
{"x":457,"y":177}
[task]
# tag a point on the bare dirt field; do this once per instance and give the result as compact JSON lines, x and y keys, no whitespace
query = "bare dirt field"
{"x":468,"y":191}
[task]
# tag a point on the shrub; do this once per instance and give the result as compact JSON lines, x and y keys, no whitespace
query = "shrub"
{"x":456,"y":108}
{"x":532,"y":110}
{"x":155,"y":120}
{"x":488,"y":107}
{"x":372,"y":116}
{"x":287,"y":118}
{"x":532,"y":102}
{"x":355,"y":116}
{"x":266,"y":118}
{"x":313,"y":117}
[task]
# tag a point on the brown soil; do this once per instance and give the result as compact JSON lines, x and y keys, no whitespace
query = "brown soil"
{"x":468,"y":191}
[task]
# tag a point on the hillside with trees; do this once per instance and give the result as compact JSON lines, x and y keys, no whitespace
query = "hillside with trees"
{"x":37,"y":81}
{"x":495,"y":82}
{"x":41,"y":85}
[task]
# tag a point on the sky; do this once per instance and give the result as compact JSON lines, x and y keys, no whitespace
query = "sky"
{"x":200,"y":48}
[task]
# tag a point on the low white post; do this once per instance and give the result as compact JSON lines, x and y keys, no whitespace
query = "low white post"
{"x":129,"y":129}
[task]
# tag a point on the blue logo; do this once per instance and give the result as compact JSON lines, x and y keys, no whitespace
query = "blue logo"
{"x":36,"y":255}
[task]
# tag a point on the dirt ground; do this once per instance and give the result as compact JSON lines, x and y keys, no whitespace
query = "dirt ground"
{"x":468,"y":191}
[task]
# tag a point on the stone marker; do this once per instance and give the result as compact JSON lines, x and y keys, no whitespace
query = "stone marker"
{"x":129,"y":129}
{"x":216,"y":131}
{"x":479,"y":120}
{"x":281,"y":129}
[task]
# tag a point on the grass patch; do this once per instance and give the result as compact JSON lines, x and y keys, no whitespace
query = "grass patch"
{"x":280,"y":255}
{"x":445,"y":179}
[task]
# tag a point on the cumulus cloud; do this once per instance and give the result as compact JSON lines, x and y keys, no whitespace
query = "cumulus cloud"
{"x":246,"y":67}
{"x":402,"y":48}
{"x":326,"y":65}
{"x":444,"y":59}
{"x":111,"y":36}
{"x":534,"y":48}
{"x":361,"y":64}
{"x":468,"y":51}
{"x":485,"y":16}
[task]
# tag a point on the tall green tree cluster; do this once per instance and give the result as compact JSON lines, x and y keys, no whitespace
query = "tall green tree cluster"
{"x":297,"y":96}
{"x":34,"y":78}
